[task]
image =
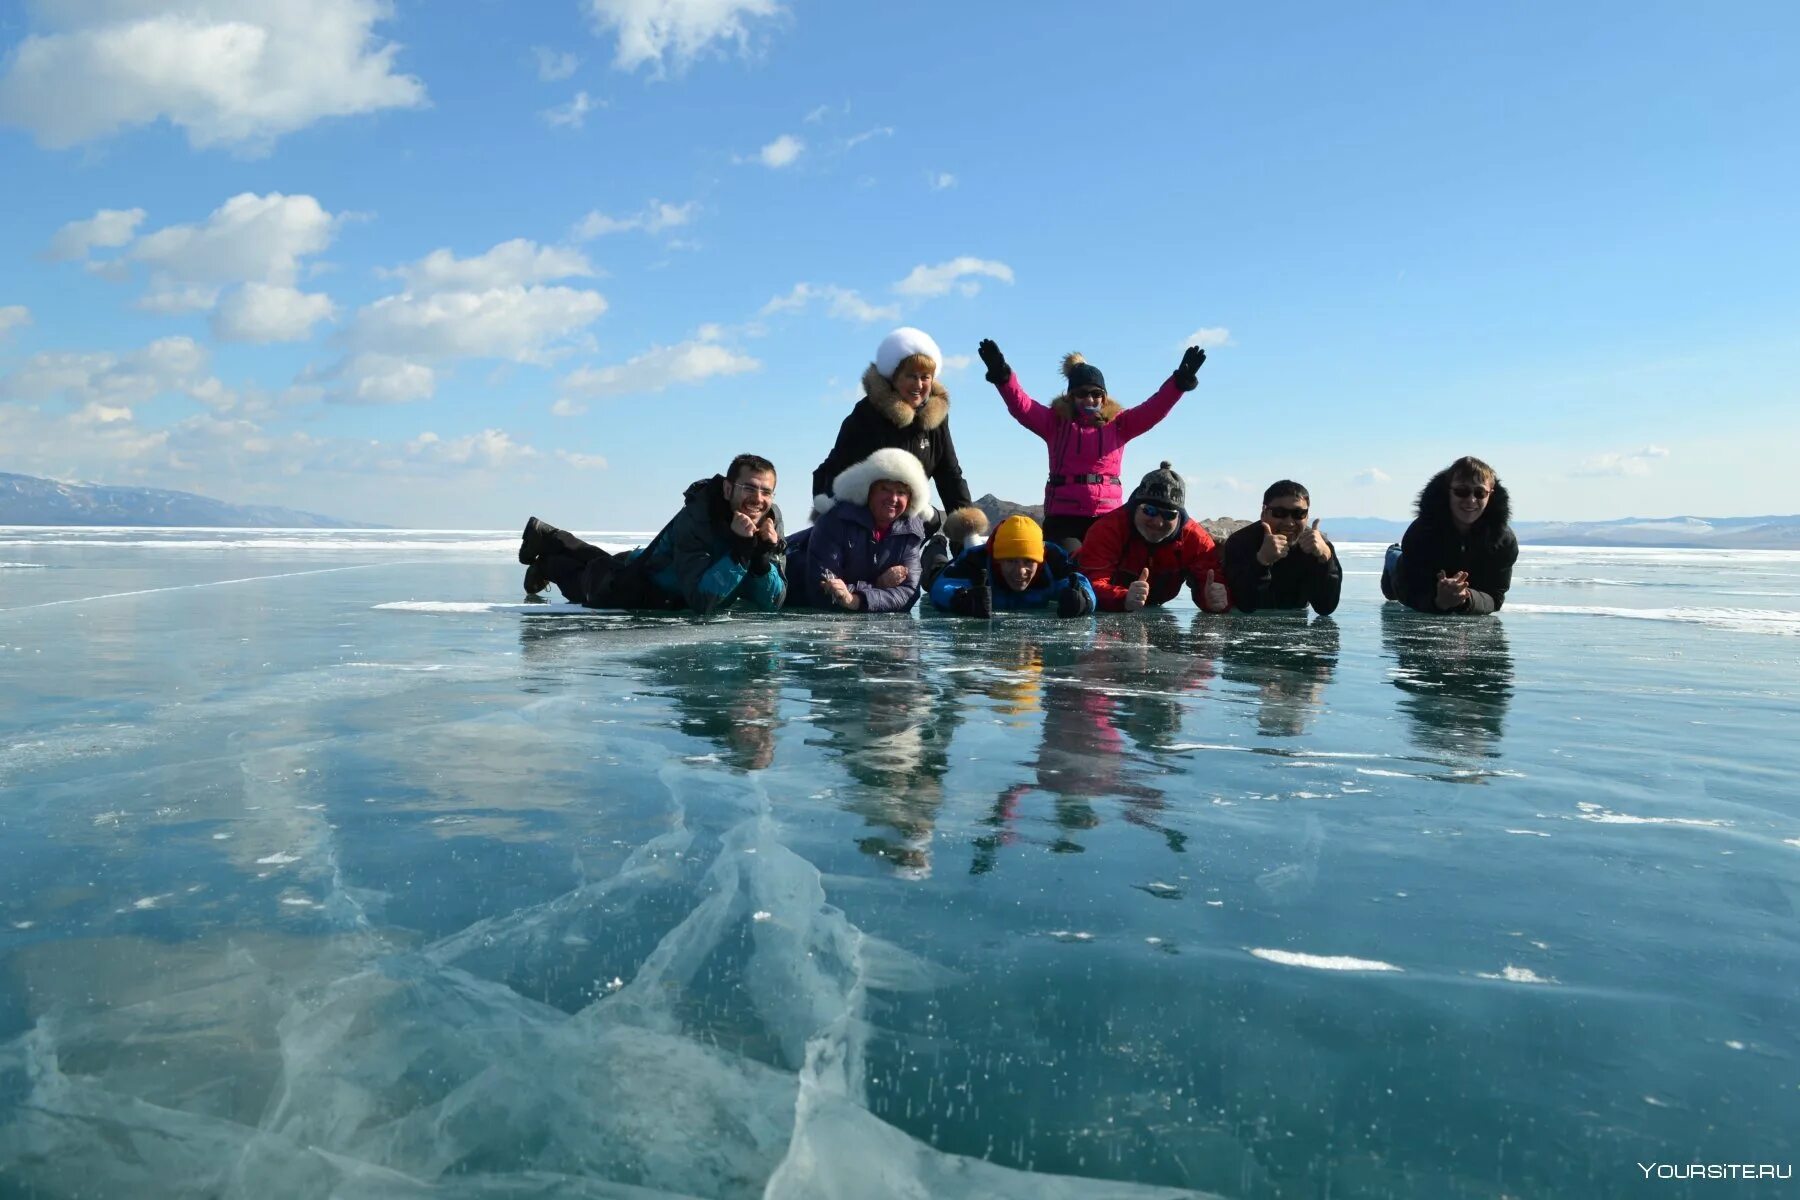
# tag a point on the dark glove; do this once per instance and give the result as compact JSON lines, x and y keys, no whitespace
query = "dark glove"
{"x":976,"y":600}
{"x":997,"y":370}
{"x":1074,"y":603}
{"x":1188,"y":373}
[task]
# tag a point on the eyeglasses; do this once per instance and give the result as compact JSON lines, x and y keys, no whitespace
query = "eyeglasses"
{"x":1091,"y":393}
{"x":754,"y":489}
{"x":1285,"y":513}
{"x":1463,"y":491}
{"x":1159,"y":512}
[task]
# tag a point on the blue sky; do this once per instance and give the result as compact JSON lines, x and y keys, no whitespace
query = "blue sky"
{"x":449,"y":264}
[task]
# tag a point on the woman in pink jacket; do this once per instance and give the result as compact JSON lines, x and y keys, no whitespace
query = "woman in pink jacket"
{"x":1086,"y":431}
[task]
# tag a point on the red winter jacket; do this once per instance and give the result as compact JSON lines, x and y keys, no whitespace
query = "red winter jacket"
{"x":1114,"y":552}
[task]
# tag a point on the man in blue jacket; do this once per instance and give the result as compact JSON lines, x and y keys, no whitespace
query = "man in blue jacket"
{"x":723,"y":550}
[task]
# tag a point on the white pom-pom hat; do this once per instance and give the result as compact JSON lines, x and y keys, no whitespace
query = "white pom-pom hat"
{"x":901,"y":345}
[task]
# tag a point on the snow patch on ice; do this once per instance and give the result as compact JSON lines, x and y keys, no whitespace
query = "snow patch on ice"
{"x":1322,"y":962}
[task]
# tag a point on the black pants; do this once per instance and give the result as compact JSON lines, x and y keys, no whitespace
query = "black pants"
{"x":565,"y":559}
{"x":1065,"y":529}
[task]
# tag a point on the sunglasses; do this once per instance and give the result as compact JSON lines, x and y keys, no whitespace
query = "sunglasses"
{"x":1160,"y":512}
{"x":1285,"y":513}
{"x":1087,"y":393}
{"x":1464,"y":492}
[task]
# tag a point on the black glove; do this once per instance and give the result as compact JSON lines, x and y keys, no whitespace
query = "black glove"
{"x":1188,"y":373}
{"x":1074,"y":603}
{"x":997,"y":370}
{"x":976,"y":600}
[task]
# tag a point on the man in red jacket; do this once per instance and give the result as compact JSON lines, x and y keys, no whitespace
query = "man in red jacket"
{"x":1142,"y":553}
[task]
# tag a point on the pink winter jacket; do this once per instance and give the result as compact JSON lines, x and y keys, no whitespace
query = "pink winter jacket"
{"x":1077,"y":449}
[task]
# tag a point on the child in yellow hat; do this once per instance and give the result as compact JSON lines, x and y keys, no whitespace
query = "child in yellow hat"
{"x":1025,"y":573}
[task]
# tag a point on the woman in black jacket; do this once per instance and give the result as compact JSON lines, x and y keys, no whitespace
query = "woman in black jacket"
{"x":1458,"y":555}
{"x":905,"y":407}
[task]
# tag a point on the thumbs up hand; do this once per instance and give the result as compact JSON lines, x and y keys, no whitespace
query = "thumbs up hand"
{"x":1274,"y":545}
{"x":1137,"y":594}
{"x":1312,"y":542}
{"x":1217,"y":599}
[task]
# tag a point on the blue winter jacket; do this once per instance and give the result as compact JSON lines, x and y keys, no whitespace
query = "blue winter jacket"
{"x":696,"y":562}
{"x":1058,"y":575}
{"x":842,"y":541}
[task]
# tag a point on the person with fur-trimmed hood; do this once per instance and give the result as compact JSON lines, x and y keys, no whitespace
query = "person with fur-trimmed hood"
{"x":1457,"y":556}
{"x":1014,"y":570}
{"x":904,"y":407}
{"x":1085,"y":430}
{"x":1143,"y":552}
{"x":725,"y":549}
{"x":861,"y":553}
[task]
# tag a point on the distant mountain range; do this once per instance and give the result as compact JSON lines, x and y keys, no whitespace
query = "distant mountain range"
{"x":1720,"y":533}
{"x":28,"y":500}
{"x":1726,"y":533}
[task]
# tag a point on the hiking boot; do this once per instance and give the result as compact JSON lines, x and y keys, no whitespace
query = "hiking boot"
{"x":531,"y":542}
{"x":535,"y":579}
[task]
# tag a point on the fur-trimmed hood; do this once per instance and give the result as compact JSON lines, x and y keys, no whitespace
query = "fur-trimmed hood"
{"x":1065,"y":407}
{"x":884,"y":397}
{"x":853,"y":482}
{"x":1434,"y":505}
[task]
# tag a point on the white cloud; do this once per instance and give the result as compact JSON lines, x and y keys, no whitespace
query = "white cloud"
{"x":857,"y":139}
{"x":958,"y":362}
{"x":656,"y":217}
{"x":673,"y":33}
{"x":99,"y":380}
{"x":957,"y":274}
{"x":385,"y":379}
{"x":247,"y":238}
{"x":515,"y":262}
{"x":582,"y":462}
{"x":237,"y":73}
{"x":108,"y":227}
{"x":781,"y":152}
{"x":659,"y":368}
{"x":572,"y":115}
{"x":515,"y":322}
{"x":1369,"y":476}
{"x":554,"y":65}
{"x":817,"y":115}
{"x":269,"y":312}
{"x":940,"y":180}
{"x":1208,"y":337}
{"x":489,"y":448}
{"x":1633,"y":463}
{"x":842,"y":302}
{"x":566,"y":407}
{"x":174,"y":300}
{"x":13,"y":316}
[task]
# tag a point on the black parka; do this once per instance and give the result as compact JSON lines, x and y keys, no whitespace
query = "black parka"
{"x":1433,"y":543}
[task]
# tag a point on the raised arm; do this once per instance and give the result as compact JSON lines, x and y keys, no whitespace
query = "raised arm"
{"x":1024,"y":409}
{"x":1144,"y":417}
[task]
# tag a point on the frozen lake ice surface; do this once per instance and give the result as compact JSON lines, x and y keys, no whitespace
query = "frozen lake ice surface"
{"x":332,"y":870}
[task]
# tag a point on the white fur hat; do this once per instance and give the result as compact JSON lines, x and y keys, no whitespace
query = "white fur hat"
{"x":901,"y":345}
{"x":853,"y":482}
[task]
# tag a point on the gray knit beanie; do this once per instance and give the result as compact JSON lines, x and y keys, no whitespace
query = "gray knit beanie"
{"x":1161,"y":486}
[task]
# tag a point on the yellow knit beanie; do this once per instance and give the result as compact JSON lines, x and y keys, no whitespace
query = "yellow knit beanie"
{"x":1018,"y":537}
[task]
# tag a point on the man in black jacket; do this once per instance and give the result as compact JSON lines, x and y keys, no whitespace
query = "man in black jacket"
{"x":1278,"y":561}
{"x":1458,"y":555}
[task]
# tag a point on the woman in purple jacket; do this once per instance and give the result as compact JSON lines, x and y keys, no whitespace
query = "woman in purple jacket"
{"x":862,"y":552}
{"x":1086,"y":431}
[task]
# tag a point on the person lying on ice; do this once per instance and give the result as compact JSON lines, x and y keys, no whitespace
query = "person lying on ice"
{"x":1457,"y":556}
{"x":1085,"y":430}
{"x":723,"y":550}
{"x":861,"y":554}
{"x":1025,"y":573}
{"x":1277,"y":561}
{"x":1142,"y":552}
